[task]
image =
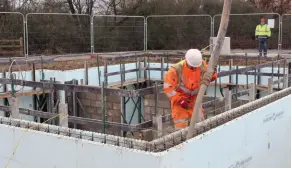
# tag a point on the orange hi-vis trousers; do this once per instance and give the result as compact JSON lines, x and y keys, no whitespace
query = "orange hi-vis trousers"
{"x":181,"y":116}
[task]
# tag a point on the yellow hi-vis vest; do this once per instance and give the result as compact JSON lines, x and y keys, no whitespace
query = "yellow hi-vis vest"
{"x":178,"y":67}
{"x":262,"y":31}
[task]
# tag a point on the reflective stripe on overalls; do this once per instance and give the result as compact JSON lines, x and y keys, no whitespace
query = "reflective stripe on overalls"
{"x":180,"y":85}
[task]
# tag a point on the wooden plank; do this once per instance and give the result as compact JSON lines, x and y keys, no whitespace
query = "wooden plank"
{"x":8,"y":40}
{"x":10,"y":46}
{"x":131,"y":82}
{"x":7,"y":52}
{"x":23,"y":93}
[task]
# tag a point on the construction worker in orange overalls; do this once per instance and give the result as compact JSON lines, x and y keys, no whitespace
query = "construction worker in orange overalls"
{"x":181,"y":85}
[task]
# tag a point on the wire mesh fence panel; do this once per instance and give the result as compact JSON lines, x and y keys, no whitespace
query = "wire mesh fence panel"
{"x":241,"y":30}
{"x":178,"y":32}
{"x":286,"y":32}
{"x":11,"y":35}
{"x":118,"y":33}
{"x":49,"y":34}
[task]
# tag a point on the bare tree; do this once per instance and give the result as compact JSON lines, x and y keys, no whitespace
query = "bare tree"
{"x":81,"y":6}
{"x":211,"y":65}
{"x":277,"y":6}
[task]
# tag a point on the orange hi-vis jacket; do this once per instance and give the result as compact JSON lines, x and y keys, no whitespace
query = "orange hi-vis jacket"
{"x":181,"y":81}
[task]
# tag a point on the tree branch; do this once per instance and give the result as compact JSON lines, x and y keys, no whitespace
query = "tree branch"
{"x":71,"y":6}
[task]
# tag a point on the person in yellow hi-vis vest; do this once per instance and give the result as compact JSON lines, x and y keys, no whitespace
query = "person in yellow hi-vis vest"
{"x":262,"y":34}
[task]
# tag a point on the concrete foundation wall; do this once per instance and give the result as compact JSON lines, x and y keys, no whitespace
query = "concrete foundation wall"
{"x":92,"y":104}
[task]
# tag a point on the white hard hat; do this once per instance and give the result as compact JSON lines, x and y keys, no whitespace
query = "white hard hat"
{"x":194,"y":57}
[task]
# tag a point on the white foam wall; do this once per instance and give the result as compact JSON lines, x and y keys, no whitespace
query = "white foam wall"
{"x":249,"y":141}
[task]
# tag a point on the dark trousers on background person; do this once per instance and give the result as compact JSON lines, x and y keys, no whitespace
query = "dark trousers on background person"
{"x":263,"y":46}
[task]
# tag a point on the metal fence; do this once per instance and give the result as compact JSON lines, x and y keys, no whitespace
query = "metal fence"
{"x":12,"y":34}
{"x":286,"y":32}
{"x":241,"y":30}
{"x":112,"y":33}
{"x":177,"y":32}
{"x":55,"y":33}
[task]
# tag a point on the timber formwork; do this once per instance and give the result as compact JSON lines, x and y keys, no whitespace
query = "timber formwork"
{"x":143,"y":85}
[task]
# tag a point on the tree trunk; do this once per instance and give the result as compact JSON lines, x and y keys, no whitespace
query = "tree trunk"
{"x":71,"y":6}
{"x":211,"y":65}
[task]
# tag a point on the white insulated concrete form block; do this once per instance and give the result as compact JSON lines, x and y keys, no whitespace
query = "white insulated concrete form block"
{"x":64,"y":131}
{"x":225,"y":47}
{"x":87,"y":135}
{"x":251,"y":140}
{"x":44,"y":127}
{"x":75,"y":133}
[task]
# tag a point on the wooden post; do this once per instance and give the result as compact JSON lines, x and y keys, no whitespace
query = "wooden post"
{"x":258,"y":79}
{"x":51,"y":100}
{"x":14,"y":108}
{"x":149,"y":76}
{"x":63,"y":119}
{"x":230,"y":76}
{"x":285,"y":81}
{"x":5,"y":100}
{"x":34,"y":97}
{"x":228,"y":100}
{"x":246,"y":74}
{"x":157,"y":117}
{"x":74,"y":81}
{"x":121,"y":70}
{"x":145,"y":66}
{"x":289,"y":72}
{"x":138,"y":71}
{"x":85,"y":73}
{"x":270,"y":85}
{"x":162,"y":68}
{"x":105,"y":74}
{"x":103,"y":106}
{"x":252,"y":92}
{"x":139,"y":68}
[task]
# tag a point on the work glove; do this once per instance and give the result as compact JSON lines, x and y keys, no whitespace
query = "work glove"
{"x":256,"y":37}
{"x":183,"y":103}
{"x":268,"y":37}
